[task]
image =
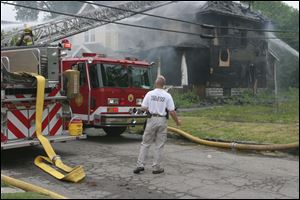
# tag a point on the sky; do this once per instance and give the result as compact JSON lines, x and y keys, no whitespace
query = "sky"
{"x":8,"y":13}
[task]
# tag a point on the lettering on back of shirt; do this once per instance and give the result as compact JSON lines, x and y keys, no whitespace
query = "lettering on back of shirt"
{"x":157,"y":98}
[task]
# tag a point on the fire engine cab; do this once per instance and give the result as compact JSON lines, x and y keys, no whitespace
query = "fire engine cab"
{"x":111,"y":91}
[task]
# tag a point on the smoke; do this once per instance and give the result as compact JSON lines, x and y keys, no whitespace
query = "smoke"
{"x":159,"y":46}
{"x":143,"y":39}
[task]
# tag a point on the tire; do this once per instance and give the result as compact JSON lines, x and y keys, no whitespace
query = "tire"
{"x":114,"y":131}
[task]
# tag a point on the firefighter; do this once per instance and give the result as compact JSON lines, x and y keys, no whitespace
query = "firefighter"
{"x":26,"y":38}
{"x":155,"y":103}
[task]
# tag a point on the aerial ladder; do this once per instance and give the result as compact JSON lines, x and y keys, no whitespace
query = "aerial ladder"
{"x":61,"y":28}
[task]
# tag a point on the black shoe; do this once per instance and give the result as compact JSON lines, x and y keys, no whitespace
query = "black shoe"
{"x":138,"y":170}
{"x":158,"y":171}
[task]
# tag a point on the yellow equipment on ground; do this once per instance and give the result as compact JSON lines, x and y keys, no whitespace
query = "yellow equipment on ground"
{"x":75,"y":127}
{"x":73,"y":174}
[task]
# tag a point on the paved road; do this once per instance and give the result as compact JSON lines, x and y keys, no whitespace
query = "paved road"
{"x":191,"y":171}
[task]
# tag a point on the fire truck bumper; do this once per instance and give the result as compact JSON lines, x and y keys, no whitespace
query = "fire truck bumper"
{"x":120,"y":120}
{"x":24,"y":143}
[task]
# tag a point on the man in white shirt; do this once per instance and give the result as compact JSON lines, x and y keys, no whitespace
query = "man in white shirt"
{"x":156,"y":102}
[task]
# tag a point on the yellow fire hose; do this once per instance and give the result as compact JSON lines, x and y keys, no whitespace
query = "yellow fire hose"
{"x":29,"y":187}
{"x":234,"y":145}
{"x":73,"y":174}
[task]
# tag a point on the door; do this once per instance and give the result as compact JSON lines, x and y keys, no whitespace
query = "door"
{"x":81,"y":103}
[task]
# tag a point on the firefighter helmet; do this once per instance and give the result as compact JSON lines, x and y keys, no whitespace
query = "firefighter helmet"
{"x":28,"y":30}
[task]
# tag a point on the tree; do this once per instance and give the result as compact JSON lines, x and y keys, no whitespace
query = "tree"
{"x":284,"y":18}
{"x":25,"y":14}
{"x":62,"y":6}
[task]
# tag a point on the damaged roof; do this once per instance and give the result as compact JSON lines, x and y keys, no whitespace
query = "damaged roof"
{"x":234,"y":9}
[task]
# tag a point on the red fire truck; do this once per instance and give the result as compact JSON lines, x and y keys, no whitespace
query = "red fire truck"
{"x":111,"y":91}
{"x":110,"y":94}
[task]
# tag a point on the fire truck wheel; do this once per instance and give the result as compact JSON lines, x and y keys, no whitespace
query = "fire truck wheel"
{"x":114,"y":131}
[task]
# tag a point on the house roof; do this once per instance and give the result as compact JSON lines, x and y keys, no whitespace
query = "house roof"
{"x":92,"y":48}
{"x":230,"y":8}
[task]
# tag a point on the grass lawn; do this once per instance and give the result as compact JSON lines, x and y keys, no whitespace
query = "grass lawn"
{"x":22,"y":195}
{"x":25,"y":195}
{"x":3,"y":184}
{"x":273,"y":124}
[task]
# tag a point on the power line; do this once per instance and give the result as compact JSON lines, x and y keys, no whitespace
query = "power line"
{"x":103,"y":20}
{"x":188,"y":22}
{"x":125,"y":24}
{"x":140,"y":13}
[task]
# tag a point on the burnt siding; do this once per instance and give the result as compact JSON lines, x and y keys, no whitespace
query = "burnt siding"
{"x":243,"y":53}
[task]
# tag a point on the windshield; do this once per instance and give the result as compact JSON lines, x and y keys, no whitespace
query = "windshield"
{"x":109,"y":75}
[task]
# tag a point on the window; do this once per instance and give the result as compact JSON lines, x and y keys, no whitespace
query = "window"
{"x":108,"y":39}
{"x":110,"y":75}
{"x":114,"y":75}
{"x":92,"y":35}
{"x":82,"y":77}
{"x":224,"y":58}
{"x":94,"y":76}
{"x":89,"y":36}
{"x":139,"y":77}
{"x":86,"y":36}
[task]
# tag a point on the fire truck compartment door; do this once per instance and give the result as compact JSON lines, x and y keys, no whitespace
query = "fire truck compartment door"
{"x":23,"y":60}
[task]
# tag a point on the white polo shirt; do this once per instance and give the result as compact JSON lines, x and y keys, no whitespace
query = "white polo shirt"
{"x":157,"y":101}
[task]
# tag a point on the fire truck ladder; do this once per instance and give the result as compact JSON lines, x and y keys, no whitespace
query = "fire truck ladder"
{"x":68,"y":26}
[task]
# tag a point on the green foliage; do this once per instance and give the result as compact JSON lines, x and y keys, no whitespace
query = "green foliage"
{"x":63,"y":6}
{"x":288,"y":71}
{"x":25,"y":14}
{"x":284,"y":17}
{"x":184,"y":99}
{"x":3,"y":184}
{"x":14,"y":39}
{"x":25,"y":195}
{"x":283,"y":110}
{"x":247,"y":97}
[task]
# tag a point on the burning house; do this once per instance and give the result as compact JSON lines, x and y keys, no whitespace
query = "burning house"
{"x":222,"y":64}
{"x":238,"y":58}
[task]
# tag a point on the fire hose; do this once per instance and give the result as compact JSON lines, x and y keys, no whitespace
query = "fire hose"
{"x":29,"y":187}
{"x":73,"y":174}
{"x":234,"y":145}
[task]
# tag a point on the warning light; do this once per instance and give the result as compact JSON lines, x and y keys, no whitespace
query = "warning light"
{"x":66,"y":44}
{"x":112,"y":110}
